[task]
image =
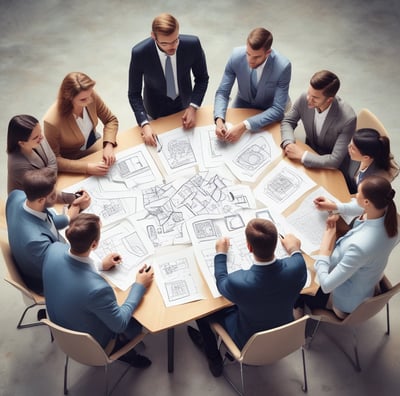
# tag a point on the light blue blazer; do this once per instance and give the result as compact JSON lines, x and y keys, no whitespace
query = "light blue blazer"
{"x":357,"y":262}
{"x":272,"y":90}
{"x":80,"y":299}
{"x":29,"y":238}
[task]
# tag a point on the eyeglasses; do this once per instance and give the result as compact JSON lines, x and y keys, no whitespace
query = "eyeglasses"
{"x":168,"y":43}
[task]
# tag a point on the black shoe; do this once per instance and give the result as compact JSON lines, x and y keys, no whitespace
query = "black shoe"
{"x":196,"y":337}
{"x":41,"y":314}
{"x":216,"y":366}
{"x":136,"y":360}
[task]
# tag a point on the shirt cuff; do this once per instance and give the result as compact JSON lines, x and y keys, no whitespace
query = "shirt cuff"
{"x":194,"y":105}
{"x":247,"y":124}
{"x":303,"y":157}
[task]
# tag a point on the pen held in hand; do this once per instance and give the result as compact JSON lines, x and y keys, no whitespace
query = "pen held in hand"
{"x":148,"y":268}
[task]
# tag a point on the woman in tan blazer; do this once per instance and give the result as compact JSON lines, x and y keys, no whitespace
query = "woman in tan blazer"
{"x":70,"y":127}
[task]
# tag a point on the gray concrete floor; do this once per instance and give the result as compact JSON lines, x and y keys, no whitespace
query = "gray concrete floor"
{"x":42,"y":40}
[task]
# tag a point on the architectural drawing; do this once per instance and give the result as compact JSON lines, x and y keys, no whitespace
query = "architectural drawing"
{"x":134,"y":167}
{"x":129,"y":241}
{"x":169,"y":206}
{"x":248,"y":161}
{"x":110,"y":206}
{"x":281,"y":187}
{"x":177,"y":152}
{"x":177,"y":277}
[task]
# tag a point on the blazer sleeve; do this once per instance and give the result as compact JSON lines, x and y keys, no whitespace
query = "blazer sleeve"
{"x":136,"y":72}
{"x":223,"y":92}
{"x":104,"y":305}
{"x":200,"y":74}
{"x":275,"y":112}
{"x":290,"y":122}
{"x":110,"y":122}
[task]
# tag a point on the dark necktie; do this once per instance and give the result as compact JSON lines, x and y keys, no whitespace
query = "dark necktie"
{"x":169,"y":78}
{"x":253,"y":82}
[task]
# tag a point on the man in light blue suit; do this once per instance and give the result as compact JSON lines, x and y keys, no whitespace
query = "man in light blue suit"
{"x":264,"y":295}
{"x":263,"y":77}
{"x":31,"y":227}
{"x":80,"y":299}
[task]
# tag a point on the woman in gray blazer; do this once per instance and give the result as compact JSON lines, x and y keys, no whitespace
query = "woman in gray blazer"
{"x":27,"y":149}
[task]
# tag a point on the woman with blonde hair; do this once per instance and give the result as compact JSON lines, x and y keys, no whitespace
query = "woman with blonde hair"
{"x":70,"y":127}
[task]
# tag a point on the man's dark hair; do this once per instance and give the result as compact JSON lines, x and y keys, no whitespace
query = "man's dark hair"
{"x":82,"y":231}
{"x":262,"y":235}
{"x":39,"y":183}
{"x":326,"y":81}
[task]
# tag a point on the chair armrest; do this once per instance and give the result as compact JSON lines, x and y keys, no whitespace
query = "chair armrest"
{"x":227,"y":340}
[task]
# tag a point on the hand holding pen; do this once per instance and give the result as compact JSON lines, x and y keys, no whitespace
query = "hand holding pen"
{"x":111,"y":260}
{"x":145,"y":275}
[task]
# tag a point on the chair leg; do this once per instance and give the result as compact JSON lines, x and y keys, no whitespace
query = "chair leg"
{"x":242,"y":378}
{"x":357,"y":361}
{"x":387,"y":319}
{"x":33,"y":324}
{"x":65,"y":375}
{"x":305,"y":385}
{"x":310,"y":338}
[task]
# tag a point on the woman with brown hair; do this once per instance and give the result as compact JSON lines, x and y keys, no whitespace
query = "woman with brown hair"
{"x":70,"y":127}
{"x":26,"y":150}
{"x":349,"y":268}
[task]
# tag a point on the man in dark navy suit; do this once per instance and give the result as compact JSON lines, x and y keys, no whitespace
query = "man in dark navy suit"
{"x":264,"y":295}
{"x":162,"y":65}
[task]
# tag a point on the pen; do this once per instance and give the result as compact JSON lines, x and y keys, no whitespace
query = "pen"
{"x":159,"y":145}
{"x":281,"y":236}
{"x":148,"y":268}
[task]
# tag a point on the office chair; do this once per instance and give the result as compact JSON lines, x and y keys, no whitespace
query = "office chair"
{"x":265,"y":347}
{"x":13,"y":277}
{"x":84,"y":349}
{"x":366,"y":310}
{"x":366,"y":119}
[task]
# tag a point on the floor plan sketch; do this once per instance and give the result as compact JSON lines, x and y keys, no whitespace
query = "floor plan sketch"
{"x":168,"y":207}
{"x":135,"y":167}
{"x":129,"y":241}
{"x":213,"y":149}
{"x":309,"y":222}
{"x":110,"y":206}
{"x":249,"y":161}
{"x":177,"y":152}
{"x":177,"y":278}
{"x":283,"y":186}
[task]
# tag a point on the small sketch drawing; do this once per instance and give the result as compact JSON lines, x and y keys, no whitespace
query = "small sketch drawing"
{"x":234,"y":222}
{"x":205,"y":229}
{"x":179,"y":153}
{"x":254,"y":156}
{"x":283,"y":185}
{"x":176,"y":290}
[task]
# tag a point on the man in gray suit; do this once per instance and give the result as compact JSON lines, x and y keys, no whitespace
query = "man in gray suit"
{"x":263,"y":77}
{"x":329,"y":125}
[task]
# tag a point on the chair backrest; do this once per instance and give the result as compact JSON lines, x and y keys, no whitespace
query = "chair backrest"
{"x":14,"y":278}
{"x":268,"y":346}
{"x":366,"y":119}
{"x":371,"y":306}
{"x":81,"y":347}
